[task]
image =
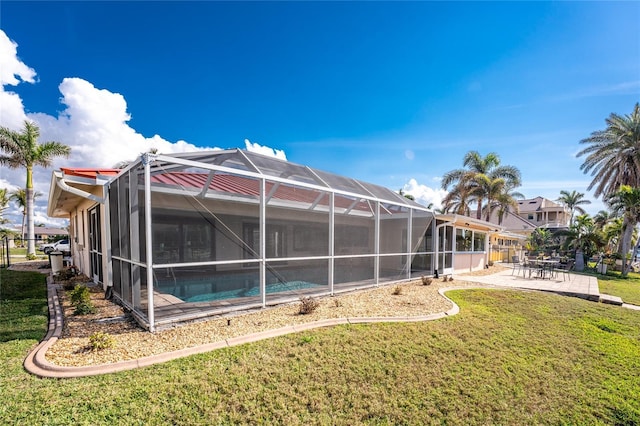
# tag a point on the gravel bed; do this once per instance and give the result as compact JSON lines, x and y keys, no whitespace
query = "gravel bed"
{"x":132,"y":342}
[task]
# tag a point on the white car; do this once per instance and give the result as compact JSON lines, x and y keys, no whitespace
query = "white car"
{"x":62,"y":246}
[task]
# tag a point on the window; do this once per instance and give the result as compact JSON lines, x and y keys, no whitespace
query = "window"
{"x":478,"y":241}
{"x":530,"y":216}
{"x":468,"y":241}
{"x":463,"y":239}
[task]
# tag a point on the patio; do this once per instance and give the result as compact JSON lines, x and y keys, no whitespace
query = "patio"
{"x":576,"y":285}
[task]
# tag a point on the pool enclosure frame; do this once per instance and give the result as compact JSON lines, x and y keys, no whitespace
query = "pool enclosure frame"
{"x":247,"y":230}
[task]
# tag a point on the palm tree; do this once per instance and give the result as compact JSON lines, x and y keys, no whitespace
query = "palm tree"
{"x":4,"y":201}
{"x":499,"y":195}
{"x":19,"y":196}
{"x":21,"y":149}
{"x":457,"y":201}
{"x":602,"y":218}
{"x":573,"y":200}
{"x":627,"y":202}
{"x":583,"y":237}
{"x":613,"y":154}
{"x":539,"y":239}
{"x":405,"y":195}
{"x":506,"y":202}
{"x":473,"y":177}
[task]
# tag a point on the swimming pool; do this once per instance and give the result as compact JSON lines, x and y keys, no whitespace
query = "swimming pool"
{"x":243,"y":292}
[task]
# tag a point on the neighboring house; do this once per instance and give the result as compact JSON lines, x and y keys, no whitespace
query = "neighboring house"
{"x":544,"y":213}
{"x":42,"y":234}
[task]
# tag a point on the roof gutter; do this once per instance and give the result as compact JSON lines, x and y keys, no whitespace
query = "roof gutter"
{"x":80,"y":193}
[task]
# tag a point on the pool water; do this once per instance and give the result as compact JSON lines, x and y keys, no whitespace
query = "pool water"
{"x":251,"y":292}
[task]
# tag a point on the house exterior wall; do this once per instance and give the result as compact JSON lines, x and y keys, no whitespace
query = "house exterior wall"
{"x":469,"y":262}
{"x":79,"y":226}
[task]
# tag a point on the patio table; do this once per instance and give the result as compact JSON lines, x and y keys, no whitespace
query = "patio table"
{"x":544,"y":268}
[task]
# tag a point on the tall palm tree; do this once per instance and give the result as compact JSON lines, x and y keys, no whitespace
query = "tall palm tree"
{"x":573,"y":200}
{"x":472,"y":178}
{"x":626,"y":201}
{"x":457,"y":201}
{"x":504,"y":203}
{"x":21,"y":149}
{"x":613,"y":154}
{"x":19,"y":196}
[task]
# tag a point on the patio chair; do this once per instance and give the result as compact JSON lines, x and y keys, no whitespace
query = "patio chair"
{"x":517,"y":264}
{"x":525,"y":266}
{"x":565,"y":268}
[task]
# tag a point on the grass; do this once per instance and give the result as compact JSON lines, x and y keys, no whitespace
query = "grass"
{"x":628,"y":289}
{"x":19,"y":254}
{"x":613,"y":284}
{"x":23,"y":305}
{"x":508,"y":358}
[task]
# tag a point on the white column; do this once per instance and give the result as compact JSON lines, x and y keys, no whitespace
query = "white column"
{"x":263,"y":244}
{"x":376,"y":247}
{"x":332,"y":198}
{"x":146,"y":160}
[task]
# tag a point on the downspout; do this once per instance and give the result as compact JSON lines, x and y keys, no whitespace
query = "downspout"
{"x":84,"y":194}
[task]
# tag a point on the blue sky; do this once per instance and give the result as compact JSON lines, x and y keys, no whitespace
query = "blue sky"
{"x":388,"y":92}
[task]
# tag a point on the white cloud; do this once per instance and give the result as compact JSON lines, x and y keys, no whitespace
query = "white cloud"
{"x":265,"y":150}
{"x":94,"y":123}
{"x":13,"y":70}
{"x":424,"y":194}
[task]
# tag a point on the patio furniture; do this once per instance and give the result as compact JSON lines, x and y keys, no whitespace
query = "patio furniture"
{"x":565,"y":268}
{"x":544,"y":268}
{"x":523,"y":266}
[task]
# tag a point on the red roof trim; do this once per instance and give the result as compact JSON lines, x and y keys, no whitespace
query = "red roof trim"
{"x":89,"y":173}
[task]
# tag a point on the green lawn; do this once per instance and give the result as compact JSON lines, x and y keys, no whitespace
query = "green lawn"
{"x":19,"y":254}
{"x":628,"y":289}
{"x":508,"y":358}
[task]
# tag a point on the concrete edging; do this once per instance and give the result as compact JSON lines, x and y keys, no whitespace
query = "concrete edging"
{"x":37,"y":364}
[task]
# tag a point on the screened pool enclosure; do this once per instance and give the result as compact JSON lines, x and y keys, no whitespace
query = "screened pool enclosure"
{"x":210,"y":232}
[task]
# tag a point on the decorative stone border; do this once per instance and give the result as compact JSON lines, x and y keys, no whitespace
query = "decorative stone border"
{"x":37,"y":364}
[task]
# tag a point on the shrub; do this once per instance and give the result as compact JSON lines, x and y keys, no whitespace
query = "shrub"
{"x":85,"y":308}
{"x":80,"y":294}
{"x":451,"y":278}
{"x":397,"y":290}
{"x":307,"y":305}
{"x":427,"y":280}
{"x":100,"y":340}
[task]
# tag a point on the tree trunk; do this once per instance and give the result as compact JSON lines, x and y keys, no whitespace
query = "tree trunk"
{"x":627,"y":234}
{"x":479,"y":210}
{"x":31,"y":246}
{"x":579,"y":265}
